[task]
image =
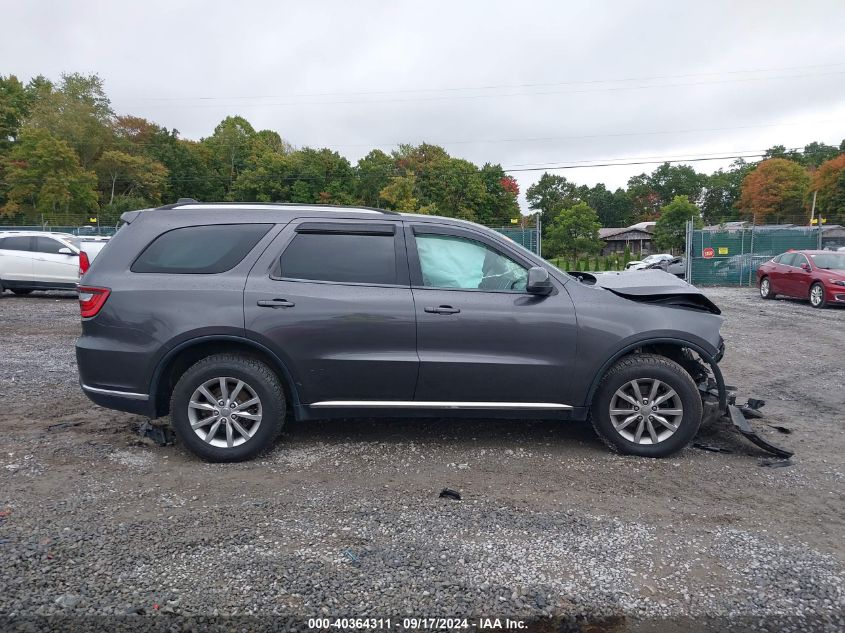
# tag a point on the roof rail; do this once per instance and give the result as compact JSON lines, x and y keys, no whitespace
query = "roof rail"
{"x":187,"y":202}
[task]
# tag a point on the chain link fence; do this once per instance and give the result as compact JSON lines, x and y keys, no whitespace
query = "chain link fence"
{"x":730,"y":257}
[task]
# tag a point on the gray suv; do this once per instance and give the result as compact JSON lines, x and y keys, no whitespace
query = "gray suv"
{"x":232,"y":317}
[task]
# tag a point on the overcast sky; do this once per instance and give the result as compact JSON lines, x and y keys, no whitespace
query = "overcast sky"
{"x":518,"y":83}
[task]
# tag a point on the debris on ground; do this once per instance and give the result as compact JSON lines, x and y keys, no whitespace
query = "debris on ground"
{"x":448,"y":493}
{"x":61,"y":426}
{"x":775,"y":463}
{"x":711,"y":448}
{"x":780,"y":429}
{"x":161,"y":435}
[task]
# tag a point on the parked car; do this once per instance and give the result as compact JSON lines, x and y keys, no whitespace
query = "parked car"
{"x":230,"y":318}
{"x":92,"y":246}
{"x":641,"y":264}
{"x":33,"y":260}
{"x":676,"y":266}
{"x":818,"y":276}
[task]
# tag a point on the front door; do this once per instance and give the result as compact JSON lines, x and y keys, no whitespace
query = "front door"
{"x":480,"y":336}
{"x":332,"y":300}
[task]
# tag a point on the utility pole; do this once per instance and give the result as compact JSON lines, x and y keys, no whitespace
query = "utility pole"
{"x":813,"y":209}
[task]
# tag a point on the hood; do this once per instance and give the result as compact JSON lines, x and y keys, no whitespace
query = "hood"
{"x":651,"y":286}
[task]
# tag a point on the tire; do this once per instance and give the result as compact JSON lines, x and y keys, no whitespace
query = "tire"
{"x":259,"y":381}
{"x":645,"y":369}
{"x":21,"y":291}
{"x":766,"y":289}
{"x":816,"y":296}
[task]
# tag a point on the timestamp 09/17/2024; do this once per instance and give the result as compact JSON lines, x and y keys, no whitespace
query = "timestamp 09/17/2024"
{"x":415,"y":624}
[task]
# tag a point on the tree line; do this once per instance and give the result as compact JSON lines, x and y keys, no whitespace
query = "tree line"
{"x":66,"y":156}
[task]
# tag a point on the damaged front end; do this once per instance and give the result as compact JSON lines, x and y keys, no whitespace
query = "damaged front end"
{"x":719,"y":400}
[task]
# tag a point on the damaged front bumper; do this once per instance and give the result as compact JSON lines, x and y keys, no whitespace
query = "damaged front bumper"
{"x":719,"y":401}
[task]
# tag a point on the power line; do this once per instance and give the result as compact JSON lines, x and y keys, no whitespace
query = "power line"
{"x":500,"y":95}
{"x":487,"y":87}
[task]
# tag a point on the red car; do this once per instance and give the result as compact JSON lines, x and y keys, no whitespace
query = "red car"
{"x":815,"y":275}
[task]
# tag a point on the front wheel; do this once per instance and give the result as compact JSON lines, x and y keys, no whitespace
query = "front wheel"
{"x":817,"y":298}
{"x":228,"y":407}
{"x":647,"y":405}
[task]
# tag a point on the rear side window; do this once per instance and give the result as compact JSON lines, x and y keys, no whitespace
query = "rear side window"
{"x":200,"y":249}
{"x":787,"y":259}
{"x":15,"y":244}
{"x":341,"y":257}
{"x":48,"y":245}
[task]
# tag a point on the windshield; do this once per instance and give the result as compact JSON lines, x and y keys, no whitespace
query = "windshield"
{"x":829,"y":261}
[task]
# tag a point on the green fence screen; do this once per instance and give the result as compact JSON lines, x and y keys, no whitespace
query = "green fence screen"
{"x":527,"y":238}
{"x":731,"y":257}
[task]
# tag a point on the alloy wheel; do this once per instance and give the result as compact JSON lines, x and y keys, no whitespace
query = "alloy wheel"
{"x":816,"y":295}
{"x":764,"y":288}
{"x":646,"y":411}
{"x":224,"y":412}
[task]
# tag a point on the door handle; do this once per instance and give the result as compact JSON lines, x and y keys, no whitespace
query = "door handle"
{"x":442,"y":310}
{"x":275,"y":303}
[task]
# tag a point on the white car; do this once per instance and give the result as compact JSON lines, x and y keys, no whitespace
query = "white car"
{"x":644,"y":263}
{"x":33,"y":260}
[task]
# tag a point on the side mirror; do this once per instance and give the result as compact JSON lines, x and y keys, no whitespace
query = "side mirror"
{"x":806,"y":266}
{"x":539,"y":282}
{"x":66,"y":251}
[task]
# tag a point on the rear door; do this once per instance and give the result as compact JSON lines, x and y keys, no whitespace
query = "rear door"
{"x":481,"y":338}
{"x":798,"y":279}
{"x":332,"y":299}
{"x":16,"y":258}
{"x":52,"y":267}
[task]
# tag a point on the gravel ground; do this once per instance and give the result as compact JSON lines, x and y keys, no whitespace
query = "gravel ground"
{"x":343,"y":518}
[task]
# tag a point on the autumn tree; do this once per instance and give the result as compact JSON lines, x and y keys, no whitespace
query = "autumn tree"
{"x":123,"y":174}
{"x":775,"y":192}
{"x":574,"y":232}
{"x":829,"y":183}
{"x":670,"y":228}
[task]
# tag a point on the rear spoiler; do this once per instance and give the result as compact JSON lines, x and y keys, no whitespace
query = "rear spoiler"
{"x":129,"y":216}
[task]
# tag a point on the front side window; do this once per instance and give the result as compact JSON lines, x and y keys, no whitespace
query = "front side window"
{"x":200,"y":249}
{"x":15,"y":244}
{"x":456,"y":262}
{"x":788,"y":259}
{"x":340,"y":257}
{"x":799,"y":260}
{"x":48,"y":245}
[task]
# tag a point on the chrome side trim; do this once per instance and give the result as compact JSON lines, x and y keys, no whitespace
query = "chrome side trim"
{"x":432,"y":404}
{"x":123,"y":394}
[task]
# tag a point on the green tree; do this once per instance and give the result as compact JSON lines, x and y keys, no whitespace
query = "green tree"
{"x":43,"y":176}
{"x":575,"y":232}
{"x":372,"y":174}
{"x":550,"y":195}
{"x":76,"y":111}
{"x":230,"y":147}
{"x":816,"y":153}
{"x":399,"y":193}
{"x":650,"y":192}
{"x":14,"y":107}
{"x":670,"y":228}
{"x":613,"y":208}
{"x":721,"y":193}
{"x":775,"y":192}
{"x":267,"y":178}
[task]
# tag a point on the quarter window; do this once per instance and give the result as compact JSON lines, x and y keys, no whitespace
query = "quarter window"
{"x":456,"y":262}
{"x":48,"y":245}
{"x":340,"y":257}
{"x":200,"y":249}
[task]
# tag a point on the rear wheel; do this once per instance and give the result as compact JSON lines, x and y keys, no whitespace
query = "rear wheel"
{"x":647,"y":405}
{"x":766,"y":288}
{"x":228,"y":408}
{"x":817,"y":298}
{"x":21,"y":291}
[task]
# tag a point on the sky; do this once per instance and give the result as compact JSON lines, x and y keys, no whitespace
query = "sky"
{"x":528,"y":85}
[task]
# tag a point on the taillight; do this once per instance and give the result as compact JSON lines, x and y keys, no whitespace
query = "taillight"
{"x":84,"y":262}
{"x":91,"y":300}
